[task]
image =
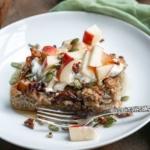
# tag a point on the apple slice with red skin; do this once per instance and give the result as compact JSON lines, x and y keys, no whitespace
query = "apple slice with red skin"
{"x":88,"y":38}
{"x":65,"y":60}
{"x":49,"y":50}
{"x":92,"y":35}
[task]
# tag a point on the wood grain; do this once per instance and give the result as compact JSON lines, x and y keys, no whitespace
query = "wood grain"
{"x":23,"y":8}
{"x":4,"y":7}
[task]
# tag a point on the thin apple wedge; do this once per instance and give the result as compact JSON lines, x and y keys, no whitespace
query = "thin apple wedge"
{"x":81,"y":133}
{"x":111,"y":70}
{"x":67,"y":75}
{"x":85,"y":69}
{"x":96,"y":57}
{"x":103,"y":72}
{"x":50,"y":60}
{"x":92,"y":35}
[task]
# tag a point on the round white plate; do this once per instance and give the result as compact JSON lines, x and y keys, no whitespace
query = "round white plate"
{"x":53,"y":28}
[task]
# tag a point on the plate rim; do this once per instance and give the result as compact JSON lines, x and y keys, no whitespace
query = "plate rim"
{"x":146,"y":119}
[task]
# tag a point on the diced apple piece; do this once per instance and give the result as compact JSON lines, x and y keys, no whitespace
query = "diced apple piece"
{"x":59,"y":86}
{"x":96,"y":56}
{"x":76,"y":54}
{"x":81,"y":133}
{"x":103,"y":72}
{"x":67,"y":74}
{"x":66,"y":59}
{"x":110,"y":70}
{"x":88,"y":38}
{"x":50,"y":86}
{"x":108,"y":59}
{"x":92,"y":35}
{"x":49,"y":50}
{"x":50,"y":60}
{"x":85,"y":69}
{"x":117,"y":69}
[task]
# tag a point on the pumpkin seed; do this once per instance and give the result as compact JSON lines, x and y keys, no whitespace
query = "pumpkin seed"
{"x":15,"y":77}
{"x":110,"y":121}
{"x":77,"y":84}
{"x":36,"y":46}
{"x":49,"y":76}
{"x":124,"y":98}
{"x":16,"y":65}
{"x":74,"y":41}
{"x":53,"y":128}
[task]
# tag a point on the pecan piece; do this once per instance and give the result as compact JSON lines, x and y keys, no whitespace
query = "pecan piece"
{"x":76,"y":67}
{"x":29,"y":123}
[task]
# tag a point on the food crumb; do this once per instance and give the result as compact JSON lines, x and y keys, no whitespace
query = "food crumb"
{"x":123,"y":115}
{"x":50,"y":135}
{"x":29,"y":123}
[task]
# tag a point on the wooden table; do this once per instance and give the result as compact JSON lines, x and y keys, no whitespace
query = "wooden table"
{"x":19,"y":9}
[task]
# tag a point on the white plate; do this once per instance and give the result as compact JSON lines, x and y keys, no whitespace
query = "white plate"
{"x":53,"y":28}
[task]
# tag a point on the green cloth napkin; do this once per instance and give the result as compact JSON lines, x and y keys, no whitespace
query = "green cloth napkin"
{"x":128,"y":10}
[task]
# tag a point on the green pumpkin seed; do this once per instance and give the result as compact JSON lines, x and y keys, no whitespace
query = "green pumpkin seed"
{"x":36,"y":46}
{"x":15,"y":77}
{"x":110,"y":121}
{"x":124,"y":98}
{"x":16,"y":65}
{"x":77,"y":84}
{"x":53,"y":128}
{"x":49,"y":76}
{"x":74,"y":41}
{"x":74,"y":44}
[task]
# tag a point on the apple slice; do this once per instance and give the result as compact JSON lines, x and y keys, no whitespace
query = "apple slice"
{"x":88,"y":38}
{"x":92,"y":35}
{"x":117,"y":69}
{"x":49,"y":50}
{"x":66,"y":59}
{"x":96,"y":56}
{"x":103,"y":72}
{"x":85,"y":69}
{"x":50,"y":60}
{"x":110,"y":70}
{"x":81,"y":133}
{"x":59,"y":86}
{"x":77,"y":54}
{"x":67,"y":75}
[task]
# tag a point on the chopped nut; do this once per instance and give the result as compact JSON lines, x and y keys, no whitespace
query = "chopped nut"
{"x":102,"y":120}
{"x":123,"y":115}
{"x":23,"y":85}
{"x":102,"y":40}
{"x":107,"y":121}
{"x":35,"y":52}
{"x":76,"y":67}
{"x":110,"y":121}
{"x":29,"y":123}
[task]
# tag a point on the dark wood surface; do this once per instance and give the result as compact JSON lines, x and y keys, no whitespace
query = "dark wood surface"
{"x":18,"y":9}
